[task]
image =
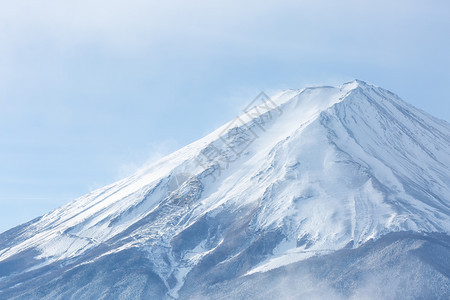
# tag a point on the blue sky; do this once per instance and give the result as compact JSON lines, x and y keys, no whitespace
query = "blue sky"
{"x":90,"y":90}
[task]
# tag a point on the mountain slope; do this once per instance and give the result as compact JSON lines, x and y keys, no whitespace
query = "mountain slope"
{"x":367,"y":272}
{"x":307,"y":173}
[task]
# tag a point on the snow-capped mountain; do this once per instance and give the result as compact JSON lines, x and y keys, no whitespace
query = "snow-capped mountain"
{"x":347,"y":177}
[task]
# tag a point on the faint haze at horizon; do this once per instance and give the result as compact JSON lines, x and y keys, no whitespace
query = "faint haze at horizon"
{"x":89,"y":90}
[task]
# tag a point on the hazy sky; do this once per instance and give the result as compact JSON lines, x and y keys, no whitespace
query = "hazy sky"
{"x":91,"y":89}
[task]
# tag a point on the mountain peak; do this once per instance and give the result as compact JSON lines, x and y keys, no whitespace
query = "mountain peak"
{"x":358,"y":82}
{"x":305,"y":173}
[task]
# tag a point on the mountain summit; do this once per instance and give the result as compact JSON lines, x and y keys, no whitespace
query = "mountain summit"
{"x":320,"y":192}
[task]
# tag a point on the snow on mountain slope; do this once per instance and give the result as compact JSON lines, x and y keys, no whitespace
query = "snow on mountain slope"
{"x":307,"y":173}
